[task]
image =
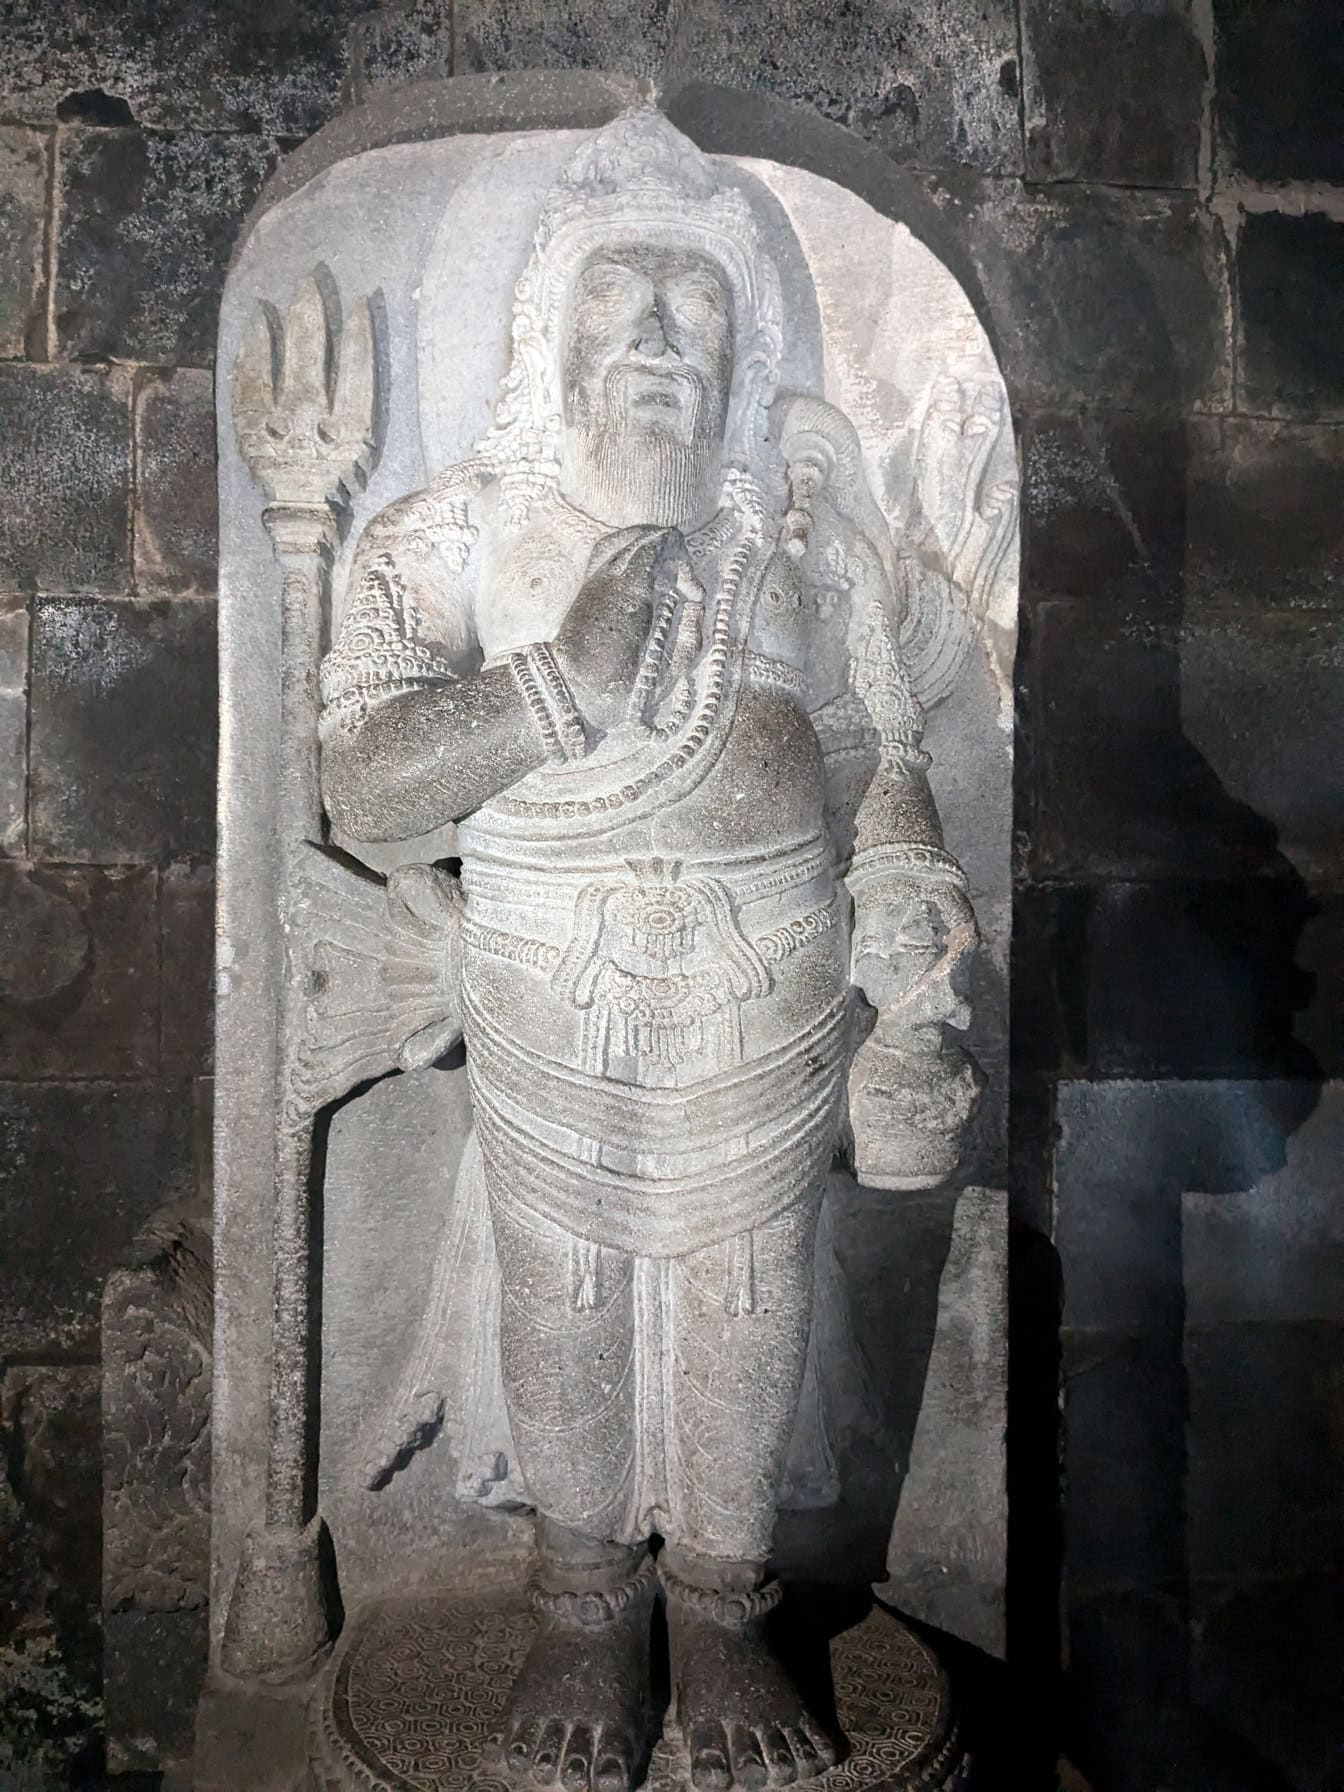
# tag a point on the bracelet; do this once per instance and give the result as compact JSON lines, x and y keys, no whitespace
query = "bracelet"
{"x":881,"y":863}
{"x":551,"y":702}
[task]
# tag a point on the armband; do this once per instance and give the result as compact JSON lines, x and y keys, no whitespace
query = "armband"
{"x":902,"y":860}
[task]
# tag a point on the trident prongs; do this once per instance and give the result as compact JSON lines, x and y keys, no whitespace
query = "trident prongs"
{"x":303,"y":398}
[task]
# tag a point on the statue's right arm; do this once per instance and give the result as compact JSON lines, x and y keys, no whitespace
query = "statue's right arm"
{"x":428,"y":754}
{"x":416,"y":732}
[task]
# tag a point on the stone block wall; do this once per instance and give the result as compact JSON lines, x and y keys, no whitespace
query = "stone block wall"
{"x":1150,"y":194}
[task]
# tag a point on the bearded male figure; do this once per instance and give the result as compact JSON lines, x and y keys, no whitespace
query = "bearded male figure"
{"x":642,"y":646}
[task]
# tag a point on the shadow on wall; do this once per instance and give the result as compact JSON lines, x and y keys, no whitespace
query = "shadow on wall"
{"x":1155,"y":978}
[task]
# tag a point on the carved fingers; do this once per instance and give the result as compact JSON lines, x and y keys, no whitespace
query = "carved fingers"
{"x":611,"y":641}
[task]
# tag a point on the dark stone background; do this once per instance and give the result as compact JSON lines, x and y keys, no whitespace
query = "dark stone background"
{"x":1145,"y":190}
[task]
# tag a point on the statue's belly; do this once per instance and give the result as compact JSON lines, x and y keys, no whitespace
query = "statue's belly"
{"x":661,"y":970}
{"x":707,"y":932}
{"x":656,"y":1015}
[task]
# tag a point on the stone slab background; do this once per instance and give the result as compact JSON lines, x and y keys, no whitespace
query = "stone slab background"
{"x":1153,"y":195}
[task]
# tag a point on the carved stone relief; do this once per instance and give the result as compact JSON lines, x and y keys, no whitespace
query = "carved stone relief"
{"x":651,"y":659}
{"x":156,"y":1353}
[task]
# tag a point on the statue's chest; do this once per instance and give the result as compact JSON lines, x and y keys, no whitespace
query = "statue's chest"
{"x":528,"y":580}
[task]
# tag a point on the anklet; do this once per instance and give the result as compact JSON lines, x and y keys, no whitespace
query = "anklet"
{"x":733,"y":1610}
{"x":595,"y":1607}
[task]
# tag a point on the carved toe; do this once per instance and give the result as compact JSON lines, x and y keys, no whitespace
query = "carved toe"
{"x":821,"y":1744}
{"x":520,"y":1746}
{"x":710,"y":1769}
{"x":779,"y":1756}
{"x":805,"y":1754}
{"x":748,"y":1763}
{"x":578,"y":1759}
{"x":613,"y":1764}
{"x":546,"y":1761}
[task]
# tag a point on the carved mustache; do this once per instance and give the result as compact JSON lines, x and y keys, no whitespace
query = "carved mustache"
{"x":673,"y":373}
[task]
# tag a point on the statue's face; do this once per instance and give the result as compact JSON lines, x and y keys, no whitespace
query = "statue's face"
{"x":647,"y":370}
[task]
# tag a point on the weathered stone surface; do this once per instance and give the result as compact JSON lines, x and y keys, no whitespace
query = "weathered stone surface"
{"x":153,"y":1666}
{"x":1127,"y":1153}
{"x":203,"y":1155}
{"x":1280,"y":72}
{"x":203,"y":63}
{"x":1050,"y":979}
{"x":1182,"y":977}
{"x":123,"y":729}
{"x":23,"y":199}
{"x":1095,"y":296}
{"x":1117,"y":789}
{"x":1113,"y":92}
{"x":13,"y":723}
{"x":933,"y":86}
{"x":50,"y":1714}
{"x":187,"y":921}
{"x":65,"y":470}
{"x":405,"y":40}
{"x":939,"y":89}
{"x":561,"y":34}
{"x":1253,"y":691}
{"x":1264,"y":524}
{"x":156,"y":1348}
{"x":949,"y":1533}
{"x":1290,"y":278}
{"x":79,"y":972}
{"x":1104,"y":507}
{"x":1319,"y":955}
{"x":176,"y":510}
{"x":1130,"y":1725}
{"x":49,"y":1417}
{"x":104,"y":1156}
{"x":1162,"y":750}
{"x":1207,"y":512}
{"x":146,"y":226}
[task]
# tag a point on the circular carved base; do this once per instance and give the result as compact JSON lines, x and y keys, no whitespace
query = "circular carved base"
{"x":415,"y":1696}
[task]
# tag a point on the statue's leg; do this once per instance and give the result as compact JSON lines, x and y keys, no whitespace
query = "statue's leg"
{"x":579,"y":1712}
{"x":740,"y":1316}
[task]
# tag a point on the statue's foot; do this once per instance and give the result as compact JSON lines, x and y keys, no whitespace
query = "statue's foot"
{"x":743,"y":1720}
{"x":579,"y":1713}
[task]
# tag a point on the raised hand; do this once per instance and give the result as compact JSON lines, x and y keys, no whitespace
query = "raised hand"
{"x":600,"y":645}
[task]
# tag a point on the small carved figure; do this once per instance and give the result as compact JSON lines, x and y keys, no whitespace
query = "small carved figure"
{"x":644,"y":645}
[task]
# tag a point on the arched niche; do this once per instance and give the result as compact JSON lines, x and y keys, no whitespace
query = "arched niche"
{"x":422,"y":204}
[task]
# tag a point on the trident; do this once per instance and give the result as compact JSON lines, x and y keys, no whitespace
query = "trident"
{"x":303,"y":408}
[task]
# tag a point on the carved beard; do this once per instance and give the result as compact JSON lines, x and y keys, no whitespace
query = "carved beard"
{"x":627,"y":464}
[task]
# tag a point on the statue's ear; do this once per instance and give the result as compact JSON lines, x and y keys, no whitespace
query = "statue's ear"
{"x":821,"y":452}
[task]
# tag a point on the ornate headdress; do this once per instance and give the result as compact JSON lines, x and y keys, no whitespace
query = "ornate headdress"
{"x":638,"y":180}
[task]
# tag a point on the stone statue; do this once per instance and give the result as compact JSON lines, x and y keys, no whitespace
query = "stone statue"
{"x":646,"y":646}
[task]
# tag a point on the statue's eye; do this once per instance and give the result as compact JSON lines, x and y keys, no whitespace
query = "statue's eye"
{"x":607,"y":282}
{"x":698,"y":298}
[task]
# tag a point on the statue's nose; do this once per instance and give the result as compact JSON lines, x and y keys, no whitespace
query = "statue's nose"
{"x":652,"y":338}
